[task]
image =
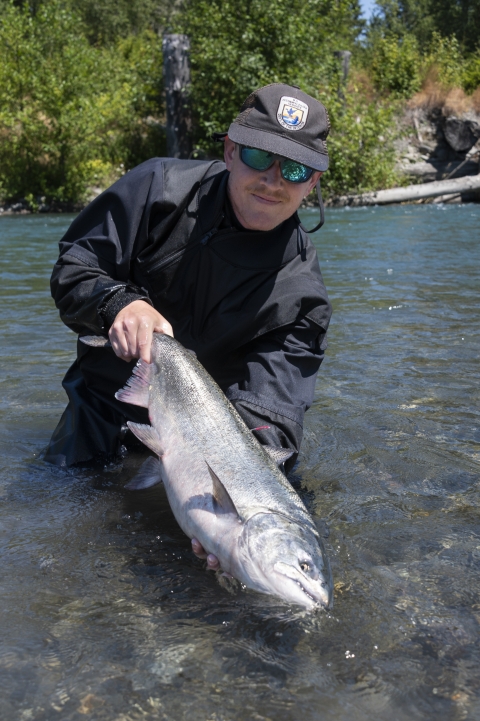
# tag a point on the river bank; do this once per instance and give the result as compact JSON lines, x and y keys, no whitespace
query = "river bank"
{"x":438,"y":139}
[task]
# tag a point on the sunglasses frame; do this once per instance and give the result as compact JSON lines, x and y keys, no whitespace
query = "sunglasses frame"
{"x":282,"y":160}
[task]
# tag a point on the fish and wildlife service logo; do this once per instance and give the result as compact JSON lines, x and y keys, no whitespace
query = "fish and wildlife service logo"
{"x":292,"y":113}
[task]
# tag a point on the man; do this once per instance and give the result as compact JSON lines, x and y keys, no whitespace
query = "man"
{"x":213,"y":254}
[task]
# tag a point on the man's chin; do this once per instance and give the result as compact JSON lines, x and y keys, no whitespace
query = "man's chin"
{"x":263,"y":221}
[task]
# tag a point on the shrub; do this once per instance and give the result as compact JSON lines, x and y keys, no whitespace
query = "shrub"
{"x":360,"y":145}
{"x":471,"y":73}
{"x":239,"y":45}
{"x":445,"y":56}
{"x":395,"y":65}
{"x":68,"y":110}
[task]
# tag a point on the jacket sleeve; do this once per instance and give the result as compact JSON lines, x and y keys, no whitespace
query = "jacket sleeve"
{"x":90,"y":281}
{"x":279,"y":383}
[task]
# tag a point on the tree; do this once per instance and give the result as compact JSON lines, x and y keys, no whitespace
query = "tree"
{"x":70,"y":113}
{"x":422,"y":18}
{"x":239,"y":45}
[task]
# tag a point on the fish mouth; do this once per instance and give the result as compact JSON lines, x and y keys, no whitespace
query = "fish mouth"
{"x":317,"y":592}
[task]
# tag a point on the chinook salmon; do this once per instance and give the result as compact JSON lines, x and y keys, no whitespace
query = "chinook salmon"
{"x":225,"y":489}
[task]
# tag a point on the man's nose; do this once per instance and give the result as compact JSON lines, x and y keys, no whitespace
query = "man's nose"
{"x":273,"y":175}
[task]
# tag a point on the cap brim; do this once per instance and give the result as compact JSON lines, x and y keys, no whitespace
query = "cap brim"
{"x":279,"y":145}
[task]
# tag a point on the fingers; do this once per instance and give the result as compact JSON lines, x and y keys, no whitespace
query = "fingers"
{"x":213,"y":564}
{"x":144,"y":341}
{"x":163,"y":327}
{"x":198,"y":549}
{"x":132,"y":330}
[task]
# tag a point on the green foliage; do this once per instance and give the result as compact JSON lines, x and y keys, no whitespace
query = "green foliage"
{"x":81,"y":87}
{"x":106,"y":21}
{"x":460,"y":18}
{"x":360,"y":145}
{"x":471,"y":73}
{"x":407,"y":39}
{"x":395,"y":65}
{"x":445,"y":54}
{"x":67,"y":110}
{"x":400,"y":17}
{"x":273,"y":44}
{"x":422,"y":18}
{"x":240,"y":45}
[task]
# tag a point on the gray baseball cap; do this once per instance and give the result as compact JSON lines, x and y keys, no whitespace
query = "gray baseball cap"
{"x":283,"y":120}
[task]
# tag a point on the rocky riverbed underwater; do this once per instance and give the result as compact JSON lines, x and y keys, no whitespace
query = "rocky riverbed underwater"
{"x":107,"y":615}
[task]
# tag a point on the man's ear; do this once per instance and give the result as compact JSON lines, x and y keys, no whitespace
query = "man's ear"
{"x":228,"y":152}
{"x":313,"y":181}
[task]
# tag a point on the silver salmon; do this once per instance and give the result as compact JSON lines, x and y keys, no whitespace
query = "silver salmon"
{"x":225,"y":489}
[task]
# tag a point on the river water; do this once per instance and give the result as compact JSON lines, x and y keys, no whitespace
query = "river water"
{"x":105,"y":613}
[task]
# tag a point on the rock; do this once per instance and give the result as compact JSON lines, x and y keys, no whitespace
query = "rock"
{"x":460,"y":134}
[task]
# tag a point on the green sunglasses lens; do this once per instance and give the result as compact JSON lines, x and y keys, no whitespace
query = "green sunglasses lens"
{"x":262,"y":160}
{"x":257,"y":159}
{"x":295,"y":172}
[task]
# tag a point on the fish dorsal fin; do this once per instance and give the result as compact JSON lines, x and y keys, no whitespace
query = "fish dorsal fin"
{"x":220,"y":494}
{"x":96,"y":341}
{"x":148,"y":475}
{"x":137,"y":390}
{"x":279,"y":455}
{"x":148,"y":435}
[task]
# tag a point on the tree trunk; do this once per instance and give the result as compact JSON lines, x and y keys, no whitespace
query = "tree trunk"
{"x":176,"y":70}
{"x":412,"y":192}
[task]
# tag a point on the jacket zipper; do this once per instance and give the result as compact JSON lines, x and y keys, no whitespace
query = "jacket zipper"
{"x":173,"y":257}
{"x":211,"y":232}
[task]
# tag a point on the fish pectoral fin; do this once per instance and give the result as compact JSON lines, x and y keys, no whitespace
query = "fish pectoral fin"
{"x":148,"y":435}
{"x":221,"y":496}
{"x":279,"y":455}
{"x":96,"y":341}
{"x":149,"y":474}
{"x":137,"y":390}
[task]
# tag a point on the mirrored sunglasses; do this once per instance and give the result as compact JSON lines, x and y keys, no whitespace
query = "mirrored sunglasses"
{"x":262,"y":160}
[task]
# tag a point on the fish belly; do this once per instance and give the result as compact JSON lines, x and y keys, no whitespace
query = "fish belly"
{"x":188,"y":485}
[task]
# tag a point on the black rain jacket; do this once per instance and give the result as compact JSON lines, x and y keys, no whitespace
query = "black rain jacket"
{"x":251,"y":304}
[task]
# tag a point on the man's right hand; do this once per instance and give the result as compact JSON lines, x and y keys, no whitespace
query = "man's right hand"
{"x":132,"y":330}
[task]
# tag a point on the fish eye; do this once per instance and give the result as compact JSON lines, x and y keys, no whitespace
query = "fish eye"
{"x":305,"y":566}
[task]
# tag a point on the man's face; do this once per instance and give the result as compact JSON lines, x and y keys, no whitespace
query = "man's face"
{"x":262,"y":199}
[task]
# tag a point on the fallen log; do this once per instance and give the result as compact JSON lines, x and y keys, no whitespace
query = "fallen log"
{"x":412,"y":192}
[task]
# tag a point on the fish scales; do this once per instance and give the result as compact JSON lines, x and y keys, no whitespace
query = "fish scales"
{"x":251,"y":476}
{"x":223,"y":487}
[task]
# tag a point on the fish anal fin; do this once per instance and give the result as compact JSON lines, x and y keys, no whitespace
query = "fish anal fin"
{"x":279,"y":455}
{"x":148,"y":475}
{"x":137,"y":390}
{"x":220,"y":495}
{"x":147,"y":435}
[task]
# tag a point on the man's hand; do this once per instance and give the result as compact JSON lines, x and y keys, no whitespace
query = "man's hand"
{"x":213,"y":564}
{"x":132,"y":330}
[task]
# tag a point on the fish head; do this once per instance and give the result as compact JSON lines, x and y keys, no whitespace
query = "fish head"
{"x":288,"y":560}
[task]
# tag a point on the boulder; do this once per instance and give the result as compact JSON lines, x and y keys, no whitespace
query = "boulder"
{"x":460,"y":134}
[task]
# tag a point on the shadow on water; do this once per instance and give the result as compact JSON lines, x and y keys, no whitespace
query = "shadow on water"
{"x":106,"y":613}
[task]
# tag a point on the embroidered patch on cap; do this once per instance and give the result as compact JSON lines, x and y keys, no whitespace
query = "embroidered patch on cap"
{"x":292,"y":113}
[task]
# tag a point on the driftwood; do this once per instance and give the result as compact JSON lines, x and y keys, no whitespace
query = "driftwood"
{"x":455,"y":186}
